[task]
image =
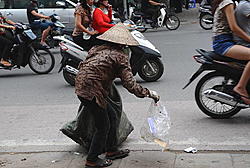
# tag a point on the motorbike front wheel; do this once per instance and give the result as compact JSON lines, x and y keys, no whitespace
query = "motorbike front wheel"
{"x":141,"y":26}
{"x":212,"y":108}
{"x":69,"y":78}
{"x":41,"y":61}
{"x":151,"y":70}
{"x":172,"y":22}
{"x":206,"y":21}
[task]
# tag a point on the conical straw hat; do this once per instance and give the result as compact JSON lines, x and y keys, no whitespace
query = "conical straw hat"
{"x":119,"y":34}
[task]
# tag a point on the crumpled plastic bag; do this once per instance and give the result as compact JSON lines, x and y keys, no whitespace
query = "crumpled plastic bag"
{"x":156,"y":125}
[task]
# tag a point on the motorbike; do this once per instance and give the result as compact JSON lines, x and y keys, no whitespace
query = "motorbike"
{"x":144,"y":59}
{"x":57,"y":30}
{"x":214,"y":93}
{"x":27,"y":51}
{"x":144,"y":22}
{"x":206,"y":17}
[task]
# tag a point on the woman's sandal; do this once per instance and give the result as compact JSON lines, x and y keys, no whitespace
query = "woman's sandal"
{"x":118,"y":154}
{"x":98,"y":163}
{"x":239,"y":96}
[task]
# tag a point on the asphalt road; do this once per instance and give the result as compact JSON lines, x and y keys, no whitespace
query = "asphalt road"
{"x":34,"y":107}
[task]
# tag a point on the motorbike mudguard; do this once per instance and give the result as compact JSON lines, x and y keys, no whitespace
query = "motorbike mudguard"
{"x":68,"y":59}
{"x":139,"y":55}
{"x":195,"y":75}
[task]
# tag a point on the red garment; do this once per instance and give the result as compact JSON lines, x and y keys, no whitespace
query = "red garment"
{"x":101,"y":21}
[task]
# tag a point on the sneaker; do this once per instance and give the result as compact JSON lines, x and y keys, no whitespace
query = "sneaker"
{"x":5,"y":63}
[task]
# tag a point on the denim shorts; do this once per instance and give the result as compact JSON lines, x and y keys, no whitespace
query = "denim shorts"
{"x":41,"y":24}
{"x":222,"y":43}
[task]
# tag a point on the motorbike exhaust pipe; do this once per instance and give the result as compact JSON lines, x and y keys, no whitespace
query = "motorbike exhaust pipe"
{"x":71,"y":70}
{"x":224,"y":98}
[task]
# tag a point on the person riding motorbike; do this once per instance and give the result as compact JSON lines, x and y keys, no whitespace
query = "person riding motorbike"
{"x":35,"y":22}
{"x":103,"y":64}
{"x":6,"y":40}
{"x":83,"y":21}
{"x":101,"y":20}
{"x":151,"y":8}
{"x":242,"y":15}
{"x":223,"y":29}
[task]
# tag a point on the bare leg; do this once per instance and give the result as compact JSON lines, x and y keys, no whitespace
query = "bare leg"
{"x":45,"y":34}
{"x":241,"y":53}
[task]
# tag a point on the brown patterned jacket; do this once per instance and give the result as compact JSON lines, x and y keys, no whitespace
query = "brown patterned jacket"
{"x":96,"y":74}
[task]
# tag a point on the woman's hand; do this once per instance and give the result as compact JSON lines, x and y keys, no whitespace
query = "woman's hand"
{"x":93,"y":32}
{"x":11,"y":27}
{"x":109,"y":7}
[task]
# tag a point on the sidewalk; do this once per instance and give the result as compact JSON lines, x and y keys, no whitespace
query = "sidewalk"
{"x":136,"y":159}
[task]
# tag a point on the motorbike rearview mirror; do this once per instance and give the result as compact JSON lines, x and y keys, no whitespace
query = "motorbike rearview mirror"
{"x":61,"y":4}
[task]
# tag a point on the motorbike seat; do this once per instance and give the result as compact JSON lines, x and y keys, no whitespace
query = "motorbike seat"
{"x":211,"y":55}
{"x":139,"y":13}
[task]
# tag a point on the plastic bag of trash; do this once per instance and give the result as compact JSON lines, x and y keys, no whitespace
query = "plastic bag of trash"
{"x":157,"y":124}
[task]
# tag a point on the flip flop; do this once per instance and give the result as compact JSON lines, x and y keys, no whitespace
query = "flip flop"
{"x":239,"y":96}
{"x":99,"y":163}
{"x":118,"y":154}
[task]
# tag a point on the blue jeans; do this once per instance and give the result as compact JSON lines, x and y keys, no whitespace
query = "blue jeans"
{"x":222,"y":43}
{"x":41,"y":24}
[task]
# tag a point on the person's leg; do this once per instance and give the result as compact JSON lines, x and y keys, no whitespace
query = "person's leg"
{"x":46,"y":28}
{"x":112,"y":149}
{"x":102,"y":126}
{"x":45,"y":34}
{"x":99,"y":137}
{"x":9,"y":35}
{"x":241,"y":53}
{"x":7,"y":45}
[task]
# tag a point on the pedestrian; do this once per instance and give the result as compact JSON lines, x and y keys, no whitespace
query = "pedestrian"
{"x":223,"y":29}
{"x":103,"y":64}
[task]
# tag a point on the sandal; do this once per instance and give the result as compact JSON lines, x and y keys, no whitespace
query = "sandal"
{"x":239,"y":97}
{"x":5,"y":63}
{"x":98,"y":163}
{"x":118,"y":154}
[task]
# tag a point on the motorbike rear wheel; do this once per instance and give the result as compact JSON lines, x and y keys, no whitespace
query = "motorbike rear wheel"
{"x":212,"y":108}
{"x":206,"y":21}
{"x":172,"y":22}
{"x":41,"y":61}
{"x":69,"y":78}
{"x":147,"y":73}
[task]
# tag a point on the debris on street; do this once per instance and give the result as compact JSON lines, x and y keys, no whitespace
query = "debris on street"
{"x":190,"y":150}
